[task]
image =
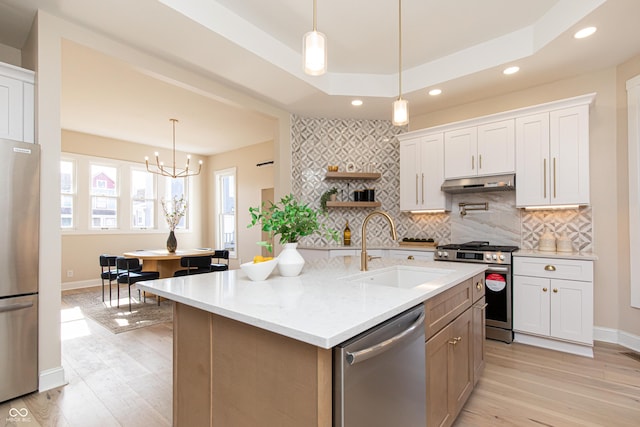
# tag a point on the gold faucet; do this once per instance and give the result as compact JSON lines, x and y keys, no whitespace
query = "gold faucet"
{"x":363,"y":256}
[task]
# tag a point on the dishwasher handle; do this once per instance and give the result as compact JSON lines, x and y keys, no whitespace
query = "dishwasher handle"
{"x":374,"y":350}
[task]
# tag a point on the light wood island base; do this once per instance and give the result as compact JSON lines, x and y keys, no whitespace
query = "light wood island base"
{"x":227,"y":373}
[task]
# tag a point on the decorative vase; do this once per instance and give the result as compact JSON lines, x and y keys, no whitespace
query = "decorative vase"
{"x":547,"y":242}
{"x":172,"y":243}
{"x":290,"y":262}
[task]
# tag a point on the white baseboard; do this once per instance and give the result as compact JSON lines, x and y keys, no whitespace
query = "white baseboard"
{"x":566,"y":347}
{"x":81,"y":284}
{"x":616,"y":336}
{"x":51,"y":378}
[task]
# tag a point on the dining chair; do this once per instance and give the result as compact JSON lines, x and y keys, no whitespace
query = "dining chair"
{"x":131,"y":272}
{"x":196,"y":264}
{"x":108,"y":271}
{"x":222,"y":260}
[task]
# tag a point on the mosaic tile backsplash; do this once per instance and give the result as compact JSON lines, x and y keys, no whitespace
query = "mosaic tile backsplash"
{"x":372,"y":144}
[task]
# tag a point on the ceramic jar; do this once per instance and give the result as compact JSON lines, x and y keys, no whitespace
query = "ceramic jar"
{"x":564,"y":243}
{"x":547,"y":242}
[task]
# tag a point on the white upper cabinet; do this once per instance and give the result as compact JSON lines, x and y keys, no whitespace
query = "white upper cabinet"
{"x":487,"y":149}
{"x":422,"y":174}
{"x":16,"y":103}
{"x":552,"y":160}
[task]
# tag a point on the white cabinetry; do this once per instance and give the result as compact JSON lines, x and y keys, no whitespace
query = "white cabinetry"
{"x":417,"y":255}
{"x":422,"y":174}
{"x":552,"y":160}
{"x":16,"y":103}
{"x":487,"y":149}
{"x":553,"y":298}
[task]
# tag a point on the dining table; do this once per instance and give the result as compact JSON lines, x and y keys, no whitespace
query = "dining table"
{"x":164,"y":262}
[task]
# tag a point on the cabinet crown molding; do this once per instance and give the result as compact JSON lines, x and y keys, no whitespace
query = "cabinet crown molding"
{"x":510,"y":114}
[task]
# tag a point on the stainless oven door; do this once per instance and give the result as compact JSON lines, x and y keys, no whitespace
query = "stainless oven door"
{"x":498,"y":294}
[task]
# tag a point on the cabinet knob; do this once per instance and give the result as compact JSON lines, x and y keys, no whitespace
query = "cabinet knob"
{"x":479,"y":286}
{"x":455,"y":340}
{"x":550,"y":267}
{"x":555,"y":291}
{"x":544,"y":289}
{"x":410,"y":257}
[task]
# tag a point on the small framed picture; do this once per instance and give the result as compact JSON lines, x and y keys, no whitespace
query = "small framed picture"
{"x":350,"y":167}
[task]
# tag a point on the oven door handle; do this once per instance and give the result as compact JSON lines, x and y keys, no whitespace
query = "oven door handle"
{"x":498,"y":269}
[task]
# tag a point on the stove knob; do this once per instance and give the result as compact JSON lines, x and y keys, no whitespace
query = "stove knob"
{"x":501,"y":257}
{"x":439,"y":253}
{"x":487,"y":257}
{"x":495,"y":257}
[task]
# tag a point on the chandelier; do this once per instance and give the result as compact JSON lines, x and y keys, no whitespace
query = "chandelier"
{"x":160,"y":169}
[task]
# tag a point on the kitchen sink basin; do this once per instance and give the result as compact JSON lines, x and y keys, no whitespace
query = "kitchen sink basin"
{"x":403,"y":277}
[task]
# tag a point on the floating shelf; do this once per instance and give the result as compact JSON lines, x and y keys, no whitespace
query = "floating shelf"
{"x":354,"y":204}
{"x":352,"y":175}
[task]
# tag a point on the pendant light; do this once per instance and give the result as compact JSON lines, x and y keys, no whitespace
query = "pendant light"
{"x":174,"y":172}
{"x":400,"y":106}
{"x":314,"y":50}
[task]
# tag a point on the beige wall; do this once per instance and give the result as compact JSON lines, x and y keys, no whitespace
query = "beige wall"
{"x":80,"y":250}
{"x":250,"y":181}
{"x":607,"y":179}
{"x":10,"y":55}
{"x":627,"y":314}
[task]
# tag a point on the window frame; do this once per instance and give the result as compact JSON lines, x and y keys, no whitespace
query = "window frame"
{"x":73,"y":193}
{"x":99,"y":162}
{"x":82,"y":207}
{"x":132,"y":200}
{"x":219,"y":235}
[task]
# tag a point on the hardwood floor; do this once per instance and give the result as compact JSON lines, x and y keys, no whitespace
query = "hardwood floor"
{"x":113,"y":380}
{"x":529,"y":386}
{"x":126,"y":380}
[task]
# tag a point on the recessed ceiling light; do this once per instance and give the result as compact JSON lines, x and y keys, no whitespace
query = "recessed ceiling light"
{"x":356,"y":102}
{"x":434,"y":92}
{"x":585,"y":32}
{"x":511,"y":70}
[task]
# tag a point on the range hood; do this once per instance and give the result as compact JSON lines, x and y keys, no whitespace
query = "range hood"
{"x":480,"y":184}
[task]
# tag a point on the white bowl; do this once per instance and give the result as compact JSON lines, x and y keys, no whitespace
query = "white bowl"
{"x":259,"y":271}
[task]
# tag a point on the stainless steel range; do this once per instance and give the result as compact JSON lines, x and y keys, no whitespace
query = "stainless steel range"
{"x":498,"y":281}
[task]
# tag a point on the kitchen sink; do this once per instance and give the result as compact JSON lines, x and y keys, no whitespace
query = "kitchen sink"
{"x":402,"y":276}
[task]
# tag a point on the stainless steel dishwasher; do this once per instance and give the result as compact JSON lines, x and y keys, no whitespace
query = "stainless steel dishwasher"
{"x":379,"y":376}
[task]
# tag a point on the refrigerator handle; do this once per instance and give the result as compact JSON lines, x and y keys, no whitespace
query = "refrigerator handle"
{"x":14,"y":307}
{"x":374,"y":350}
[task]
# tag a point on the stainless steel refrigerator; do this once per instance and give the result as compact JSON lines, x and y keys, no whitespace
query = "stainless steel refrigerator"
{"x":19,"y":237}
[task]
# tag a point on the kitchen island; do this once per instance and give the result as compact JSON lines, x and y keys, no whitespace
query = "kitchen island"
{"x":260,"y":353}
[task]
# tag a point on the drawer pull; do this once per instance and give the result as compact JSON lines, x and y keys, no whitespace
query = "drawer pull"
{"x":455,"y":341}
{"x":479,"y":286}
{"x":544,"y":289}
{"x":550,"y":267}
{"x":555,"y":291}
{"x":410,"y":257}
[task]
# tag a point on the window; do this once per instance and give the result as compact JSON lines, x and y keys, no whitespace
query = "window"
{"x":226,"y":210}
{"x":67,"y":193}
{"x":143,"y":199}
{"x":178,"y":188}
{"x":104,"y":196}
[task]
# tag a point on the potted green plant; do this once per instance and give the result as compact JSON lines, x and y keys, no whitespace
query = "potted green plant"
{"x":291,"y":220}
{"x":326,"y":196}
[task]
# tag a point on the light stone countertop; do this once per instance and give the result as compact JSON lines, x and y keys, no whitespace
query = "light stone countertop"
{"x":319,"y":307}
{"x":587,"y":256}
{"x":369,"y":248}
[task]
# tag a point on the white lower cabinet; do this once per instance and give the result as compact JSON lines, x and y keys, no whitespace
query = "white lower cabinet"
{"x":417,"y":255}
{"x":553,"y":298}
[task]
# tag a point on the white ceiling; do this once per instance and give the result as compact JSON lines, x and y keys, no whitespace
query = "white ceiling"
{"x":254,"y":45}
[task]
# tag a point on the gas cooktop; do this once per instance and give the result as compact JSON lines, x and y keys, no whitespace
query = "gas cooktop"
{"x":478,"y":246}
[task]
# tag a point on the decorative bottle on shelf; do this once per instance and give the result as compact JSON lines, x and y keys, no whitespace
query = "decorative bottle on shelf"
{"x":346,"y":235}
